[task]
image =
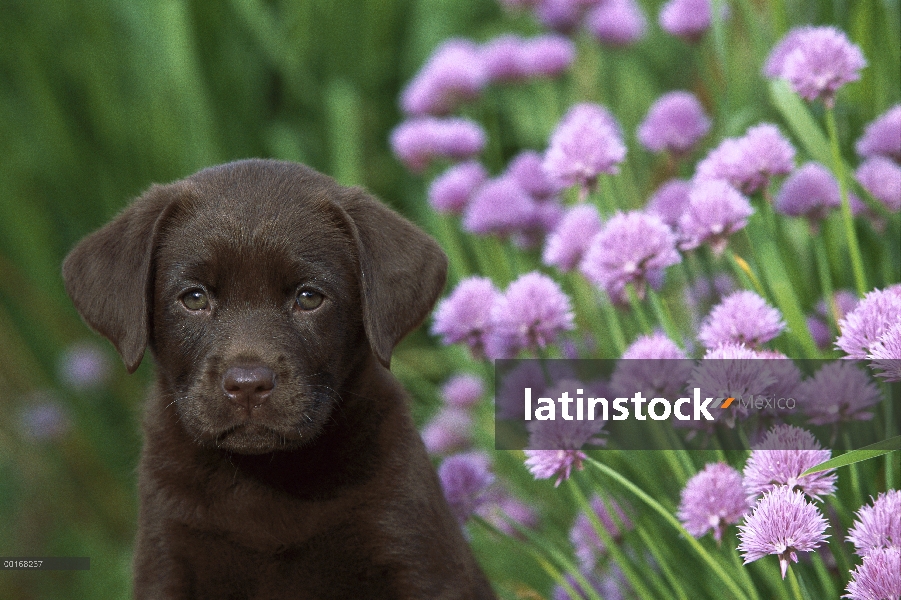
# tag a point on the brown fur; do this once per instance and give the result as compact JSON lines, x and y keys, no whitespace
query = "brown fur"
{"x":280,"y":459}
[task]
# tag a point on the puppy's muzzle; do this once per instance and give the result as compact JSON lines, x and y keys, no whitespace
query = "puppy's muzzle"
{"x":248,"y":386}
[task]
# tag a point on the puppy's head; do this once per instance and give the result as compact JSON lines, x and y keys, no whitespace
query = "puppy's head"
{"x":259,"y":286}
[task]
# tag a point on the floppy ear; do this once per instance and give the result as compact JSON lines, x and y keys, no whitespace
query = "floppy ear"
{"x":402,"y":270}
{"x":107,"y":274}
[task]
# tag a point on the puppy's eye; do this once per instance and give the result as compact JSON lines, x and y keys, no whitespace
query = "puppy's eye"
{"x":308,"y":299}
{"x":195,"y":299}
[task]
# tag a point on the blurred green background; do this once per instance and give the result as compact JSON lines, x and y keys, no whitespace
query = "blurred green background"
{"x":100,"y":98}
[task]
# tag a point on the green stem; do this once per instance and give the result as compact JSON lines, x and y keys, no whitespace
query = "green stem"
{"x":715,"y":566}
{"x":661,"y":311}
{"x":654,"y":548}
{"x":544,"y":555}
{"x":855,"y":474}
{"x":850,"y":233}
{"x":793,"y":583}
{"x":744,"y":273}
{"x":635,"y":580}
{"x":819,"y":250}
{"x":635,"y":303}
{"x":614,"y":326}
{"x":889,"y":458}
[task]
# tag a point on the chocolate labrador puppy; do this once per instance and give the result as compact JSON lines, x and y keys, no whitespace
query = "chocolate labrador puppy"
{"x":280,"y":459}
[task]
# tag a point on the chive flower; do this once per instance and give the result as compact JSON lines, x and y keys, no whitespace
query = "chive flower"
{"x":783,"y":523}
{"x":711,"y":500}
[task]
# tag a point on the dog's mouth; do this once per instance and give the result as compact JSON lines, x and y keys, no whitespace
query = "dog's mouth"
{"x":257,"y":438}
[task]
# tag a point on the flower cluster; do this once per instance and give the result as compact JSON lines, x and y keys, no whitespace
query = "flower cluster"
{"x":420,"y":141}
{"x":749,"y":162}
{"x":586,"y":143}
{"x":816,"y":61}
{"x":783,"y":523}
{"x":741,"y":318}
{"x":711,"y":500}
{"x":781,"y":459}
{"x":530,"y":315}
{"x":869,"y":331}
{"x":459,"y":69}
{"x":632,"y":248}
{"x":560,"y":208}
{"x":675,"y":122}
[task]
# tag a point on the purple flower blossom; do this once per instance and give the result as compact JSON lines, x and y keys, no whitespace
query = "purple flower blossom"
{"x":502,"y":58}
{"x":510,"y":58}
{"x":465,"y":479}
{"x":731,"y":369}
{"x":499,"y":206}
{"x":817,"y":61}
{"x":84,"y":365}
{"x":453,"y":74}
{"x":465,"y":315}
{"x":451,"y":191}
{"x":631,"y":248}
{"x":882,"y":137}
{"x":780,"y":459}
{"x":448,"y":431}
{"x":878,"y":525}
{"x":811,"y":191}
{"x":838,"y":392}
{"x":749,"y":162}
{"x":775,"y":62}
{"x":715,"y":211}
{"x":687,"y":19}
{"x":585,"y":143}
{"x":616,"y":22}
{"x":526,"y":170}
{"x":711,"y":500}
{"x":743,"y":317}
{"x":555,"y":445}
{"x":871,"y":318}
{"x":560,"y":15}
{"x":669,"y":201}
{"x":878,"y":577}
{"x":547,"y":55}
{"x":586,"y":542}
{"x":528,"y":374}
{"x":544,"y":464}
{"x":463,"y":391}
{"x":882,"y":179}
{"x":43,"y":418}
{"x":787,"y":379}
{"x":544,"y":218}
{"x":783,"y":523}
{"x":653,"y":347}
{"x":572,"y":237}
{"x":653,"y":365}
{"x":531,"y":313}
{"x":886,"y":354}
{"x":503,"y":508}
{"x":420,"y":141}
{"x":675,"y":122}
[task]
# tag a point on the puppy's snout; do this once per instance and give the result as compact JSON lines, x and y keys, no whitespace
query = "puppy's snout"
{"x":248,"y":386}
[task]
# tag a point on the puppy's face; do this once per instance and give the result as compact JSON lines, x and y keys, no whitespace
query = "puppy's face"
{"x":257,"y":319}
{"x":261,"y":286}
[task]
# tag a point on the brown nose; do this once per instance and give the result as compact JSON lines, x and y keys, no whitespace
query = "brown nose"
{"x":248,"y":386}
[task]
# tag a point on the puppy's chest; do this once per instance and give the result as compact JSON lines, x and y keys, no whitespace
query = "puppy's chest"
{"x":260,"y":517}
